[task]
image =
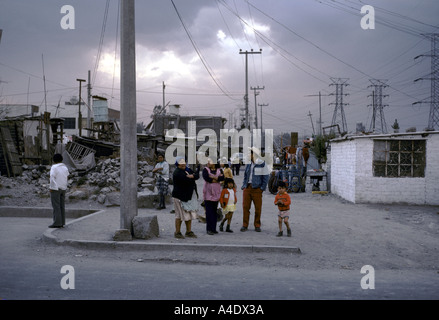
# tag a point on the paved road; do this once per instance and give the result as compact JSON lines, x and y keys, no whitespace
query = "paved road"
{"x":30,"y":269}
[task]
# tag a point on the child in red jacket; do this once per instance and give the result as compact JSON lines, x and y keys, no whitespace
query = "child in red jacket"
{"x":283,"y":202}
{"x":228,"y":201}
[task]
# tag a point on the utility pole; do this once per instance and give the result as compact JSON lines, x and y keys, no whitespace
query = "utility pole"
{"x":89,"y":104}
{"x":312,"y":123}
{"x":128,"y":142}
{"x":256,"y":109}
{"x":320,"y":109}
{"x":79,"y":111}
{"x":163,"y":107}
{"x":377,"y":104}
{"x":262,"y":105}
{"x":247,"y":124}
{"x":433,"y":119}
{"x":339,"y":115}
{"x":44,"y":82}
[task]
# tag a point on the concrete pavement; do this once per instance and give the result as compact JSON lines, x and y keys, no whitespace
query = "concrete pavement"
{"x":96,"y":230}
{"x":327,"y":233}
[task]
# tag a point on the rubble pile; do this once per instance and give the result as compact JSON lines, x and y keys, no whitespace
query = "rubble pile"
{"x":36,"y":175}
{"x":101,"y":184}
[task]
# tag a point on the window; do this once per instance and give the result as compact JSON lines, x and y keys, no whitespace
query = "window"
{"x":69,"y":123}
{"x":399,"y":158}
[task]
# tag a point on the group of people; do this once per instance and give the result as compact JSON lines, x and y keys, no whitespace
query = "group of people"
{"x":219,"y":191}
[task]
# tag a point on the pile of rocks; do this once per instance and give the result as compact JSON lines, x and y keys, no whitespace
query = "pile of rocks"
{"x":106,"y":174}
{"x":101,"y":184}
{"x":36,"y":176}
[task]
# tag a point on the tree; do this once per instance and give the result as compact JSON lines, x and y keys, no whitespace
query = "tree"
{"x":319,"y":147}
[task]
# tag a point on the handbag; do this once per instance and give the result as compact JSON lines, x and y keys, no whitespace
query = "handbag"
{"x":219,"y":214}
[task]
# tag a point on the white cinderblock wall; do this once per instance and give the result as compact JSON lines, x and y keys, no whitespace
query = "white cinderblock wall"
{"x":343,"y":163}
{"x":432,"y":171}
{"x":352,"y":174}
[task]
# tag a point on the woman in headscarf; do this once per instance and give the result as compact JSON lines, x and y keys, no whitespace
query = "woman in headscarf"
{"x":185,"y":197}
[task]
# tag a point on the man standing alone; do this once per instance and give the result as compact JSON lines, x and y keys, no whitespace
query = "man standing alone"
{"x":58,"y":186}
{"x":255,"y":182}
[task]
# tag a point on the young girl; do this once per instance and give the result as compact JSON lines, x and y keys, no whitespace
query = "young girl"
{"x":283,"y":202}
{"x":228,"y":201}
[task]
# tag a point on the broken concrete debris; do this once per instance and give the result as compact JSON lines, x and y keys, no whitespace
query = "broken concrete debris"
{"x":145,"y":227}
{"x":101,"y":184}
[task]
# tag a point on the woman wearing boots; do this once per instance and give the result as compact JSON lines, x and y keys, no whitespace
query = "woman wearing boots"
{"x":211,"y":194}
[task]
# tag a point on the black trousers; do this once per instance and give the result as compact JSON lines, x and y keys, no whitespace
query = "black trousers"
{"x":211,"y":207}
{"x":58,"y":203}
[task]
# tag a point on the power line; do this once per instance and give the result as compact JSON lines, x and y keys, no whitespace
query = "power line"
{"x":115,"y":51}
{"x":321,"y":49}
{"x":388,"y":23}
{"x":401,"y":16}
{"x":305,"y":39}
{"x":225,"y":22}
{"x":101,"y":41}
{"x":217,"y":82}
{"x":277,"y":48}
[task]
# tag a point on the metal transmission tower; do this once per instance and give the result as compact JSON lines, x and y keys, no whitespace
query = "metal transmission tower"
{"x":378,"y":106}
{"x":339,"y":117}
{"x":433,"y":120}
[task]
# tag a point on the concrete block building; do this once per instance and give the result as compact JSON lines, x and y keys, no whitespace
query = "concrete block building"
{"x":386,"y":168}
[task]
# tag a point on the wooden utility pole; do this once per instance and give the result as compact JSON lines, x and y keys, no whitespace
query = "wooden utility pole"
{"x":163,"y":88}
{"x":256,"y":109}
{"x":320,"y":109}
{"x":312,"y":123}
{"x":89,"y":104}
{"x":79,"y":112}
{"x":247,"y":124}
{"x":262,"y":105}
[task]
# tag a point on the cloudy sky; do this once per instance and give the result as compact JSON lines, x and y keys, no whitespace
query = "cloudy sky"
{"x":194,"y":48}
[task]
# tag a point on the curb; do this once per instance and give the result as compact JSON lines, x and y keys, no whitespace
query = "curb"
{"x":49,"y":237}
{"x":43,"y":212}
